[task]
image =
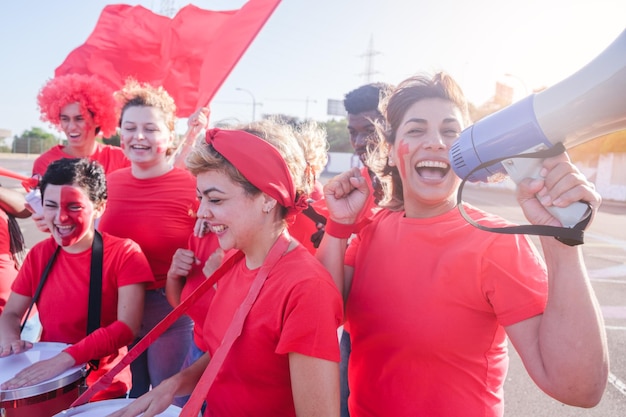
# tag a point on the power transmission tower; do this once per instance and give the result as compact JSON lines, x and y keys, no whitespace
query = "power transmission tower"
{"x":369,"y":61}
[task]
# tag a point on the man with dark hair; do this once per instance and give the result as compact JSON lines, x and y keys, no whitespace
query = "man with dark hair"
{"x":362,"y":107}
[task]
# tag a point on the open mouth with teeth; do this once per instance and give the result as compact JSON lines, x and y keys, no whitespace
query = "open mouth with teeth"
{"x":432,"y":169}
{"x":64,"y":231}
{"x":140,"y":147}
{"x":218,"y":228}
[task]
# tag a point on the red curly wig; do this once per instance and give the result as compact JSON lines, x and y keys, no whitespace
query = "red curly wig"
{"x":89,"y":91}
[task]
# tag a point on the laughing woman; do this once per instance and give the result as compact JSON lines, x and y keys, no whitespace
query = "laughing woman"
{"x":150,"y":202}
{"x":285,"y":360}
{"x":429,"y":321}
{"x":74,"y":195}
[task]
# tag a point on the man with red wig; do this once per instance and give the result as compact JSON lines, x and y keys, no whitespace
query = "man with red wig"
{"x":81,"y":106}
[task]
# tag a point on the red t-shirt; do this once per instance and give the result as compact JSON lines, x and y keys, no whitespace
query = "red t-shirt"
{"x":63,"y":302}
{"x":110,"y":157}
{"x":8,"y":269}
{"x":426,"y":309}
{"x":298,"y":310}
{"x":202,"y":248}
{"x":154,"y":212}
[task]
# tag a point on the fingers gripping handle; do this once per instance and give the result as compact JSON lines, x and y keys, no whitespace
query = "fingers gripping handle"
{"x":520,"y":168}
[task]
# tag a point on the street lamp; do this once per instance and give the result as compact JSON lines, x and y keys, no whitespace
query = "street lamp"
{"x":253,"y":100}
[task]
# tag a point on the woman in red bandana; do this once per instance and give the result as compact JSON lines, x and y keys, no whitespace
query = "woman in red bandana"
{"x":285,"y":360}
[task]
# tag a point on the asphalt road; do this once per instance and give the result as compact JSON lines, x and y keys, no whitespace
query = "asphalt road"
{"x":605,"y":256}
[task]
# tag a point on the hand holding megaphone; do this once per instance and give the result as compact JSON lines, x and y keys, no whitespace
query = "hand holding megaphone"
{"x":588,"y":104}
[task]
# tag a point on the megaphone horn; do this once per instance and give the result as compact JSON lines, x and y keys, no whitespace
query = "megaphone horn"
{"x":588,"y":104}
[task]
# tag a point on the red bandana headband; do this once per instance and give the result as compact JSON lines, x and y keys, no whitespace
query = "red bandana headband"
{"x":260,"y":163}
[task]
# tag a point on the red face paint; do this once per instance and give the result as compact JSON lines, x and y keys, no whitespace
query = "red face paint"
{"x":161,"y":146}
{"x":403,"y":150}
{"x":74,"y":216}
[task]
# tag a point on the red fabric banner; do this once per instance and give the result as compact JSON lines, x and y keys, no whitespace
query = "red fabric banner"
{"x":190,"y":55}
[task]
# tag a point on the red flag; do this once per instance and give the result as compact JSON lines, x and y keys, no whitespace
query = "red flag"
{"x":190,"y":55}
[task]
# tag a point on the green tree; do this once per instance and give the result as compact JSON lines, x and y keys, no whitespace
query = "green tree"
{"x":338,"y":137}
{"x":336,"y":130}
{"x":35,"y":141}
{"x":113,"y":140}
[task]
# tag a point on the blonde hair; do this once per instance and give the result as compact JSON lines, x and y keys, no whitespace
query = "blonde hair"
{"x":314,"y":143}
{"x":136,"y":94}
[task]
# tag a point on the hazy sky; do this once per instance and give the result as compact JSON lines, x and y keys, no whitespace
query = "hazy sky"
{"x":313,"y":50}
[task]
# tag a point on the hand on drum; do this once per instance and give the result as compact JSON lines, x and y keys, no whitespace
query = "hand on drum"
{"x":40,"y":371}
{"x":151,"y":404}
{"x":16,"y":346}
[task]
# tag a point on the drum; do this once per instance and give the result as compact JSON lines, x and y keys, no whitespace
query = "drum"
{"x":43,"y":399}
{"x":106,"y":407}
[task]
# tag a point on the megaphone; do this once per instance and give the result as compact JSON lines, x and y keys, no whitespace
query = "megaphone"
{"x":588,"y":104}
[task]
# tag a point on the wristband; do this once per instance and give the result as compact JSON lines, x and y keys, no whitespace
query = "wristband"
{"x":102,"y":342}
{"x":340,"y":230}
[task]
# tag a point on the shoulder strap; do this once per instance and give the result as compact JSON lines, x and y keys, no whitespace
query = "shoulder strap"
{"x":570,"y":236}
{"x":320,"y":222}
{"x":194,"y":404}
{"x":107,"y":379}
{"x":95,"y":284}
{"x":95,"y":289}
{"x":44,"y":276}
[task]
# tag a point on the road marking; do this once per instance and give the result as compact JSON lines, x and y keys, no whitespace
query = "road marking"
{"x":609,"y":281}
{"x":606,"y":239}
{"x":617,"y":383}
{"x":613,"y":312}
{"x":609,"y":272}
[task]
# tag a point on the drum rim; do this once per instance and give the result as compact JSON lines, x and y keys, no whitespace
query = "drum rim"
{"x":50,"y":385}
{"x":76,"y":411}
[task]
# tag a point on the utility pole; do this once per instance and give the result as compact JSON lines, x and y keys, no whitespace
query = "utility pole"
{"x":369,"y":61}
{"x":254,"y":103}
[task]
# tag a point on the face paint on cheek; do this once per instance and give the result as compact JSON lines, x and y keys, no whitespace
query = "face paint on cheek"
{"x":73,"y":222}
{"x":162,"y":145}
{"x":403,"y":150}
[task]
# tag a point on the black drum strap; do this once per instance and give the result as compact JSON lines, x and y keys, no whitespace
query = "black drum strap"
{"x":95,"y":289}
{"x":44,"y":276}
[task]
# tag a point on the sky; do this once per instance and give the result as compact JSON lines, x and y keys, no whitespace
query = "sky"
{"x":314,"y":50}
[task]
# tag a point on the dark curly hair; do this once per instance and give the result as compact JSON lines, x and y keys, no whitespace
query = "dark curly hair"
{"x":87,"y":174}
{"x":366,"y":97}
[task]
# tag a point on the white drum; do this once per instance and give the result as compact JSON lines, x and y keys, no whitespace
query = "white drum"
{"x":103,"y":408}
{"x":45,"y":398}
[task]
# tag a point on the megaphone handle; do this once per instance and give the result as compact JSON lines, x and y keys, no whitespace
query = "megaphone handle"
{"x":520,"y":168}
